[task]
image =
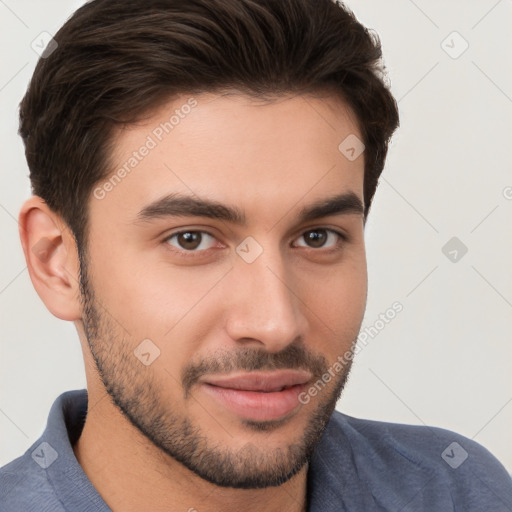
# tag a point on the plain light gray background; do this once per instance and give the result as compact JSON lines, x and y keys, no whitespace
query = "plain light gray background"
{"x":445,"y":359}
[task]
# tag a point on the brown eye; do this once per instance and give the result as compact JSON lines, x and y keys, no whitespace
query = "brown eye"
{"x":191,"y":240}
{"x":318,"y":238}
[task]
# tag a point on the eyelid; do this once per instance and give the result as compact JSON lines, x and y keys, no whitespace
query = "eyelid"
{"x":337,"y":231}
{"x":199,"y":229}
{"x":189,"y":253}
{"x":343,"y":237}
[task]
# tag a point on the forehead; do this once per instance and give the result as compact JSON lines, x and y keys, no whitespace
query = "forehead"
{"x":264,"y":156}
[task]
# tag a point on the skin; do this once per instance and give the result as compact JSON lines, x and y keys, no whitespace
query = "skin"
{"x":269,"y":160}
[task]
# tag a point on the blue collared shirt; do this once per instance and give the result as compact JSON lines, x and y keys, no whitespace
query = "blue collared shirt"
{"x":358,"y":465}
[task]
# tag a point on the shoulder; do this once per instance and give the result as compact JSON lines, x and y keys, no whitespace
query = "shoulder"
{"x":417,"y":443}
{"x":24,"y":486}
{"x":48,"y":471}
{"x":426,"y":464}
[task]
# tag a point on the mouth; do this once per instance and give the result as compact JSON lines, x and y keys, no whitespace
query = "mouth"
{"x":258,"y":396}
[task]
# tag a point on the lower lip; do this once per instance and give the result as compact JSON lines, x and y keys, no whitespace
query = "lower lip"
{"x":256,"y":405}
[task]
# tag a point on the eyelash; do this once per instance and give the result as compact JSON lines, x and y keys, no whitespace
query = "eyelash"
{"x":198,"y":253}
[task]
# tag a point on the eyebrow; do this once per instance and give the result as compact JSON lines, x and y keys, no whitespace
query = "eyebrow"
{"x":342,"y":204}
{"x":179,"y":205}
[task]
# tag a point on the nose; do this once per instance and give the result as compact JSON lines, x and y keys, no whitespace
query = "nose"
{"x":264,"y":307}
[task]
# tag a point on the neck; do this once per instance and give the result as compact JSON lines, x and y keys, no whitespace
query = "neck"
{"x":132,"y":474}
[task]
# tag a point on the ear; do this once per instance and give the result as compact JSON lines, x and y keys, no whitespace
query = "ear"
{"x":52,"y":258}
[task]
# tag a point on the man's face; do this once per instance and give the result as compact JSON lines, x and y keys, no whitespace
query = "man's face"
{"x":197,"y":315}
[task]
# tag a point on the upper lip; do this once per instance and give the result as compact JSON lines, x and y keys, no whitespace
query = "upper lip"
{"x":274,"y":380}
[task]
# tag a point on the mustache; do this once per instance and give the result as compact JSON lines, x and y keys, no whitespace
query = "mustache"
{"x":294,"y":357}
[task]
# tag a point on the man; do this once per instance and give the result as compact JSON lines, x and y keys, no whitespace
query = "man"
{"x":202,"y":173}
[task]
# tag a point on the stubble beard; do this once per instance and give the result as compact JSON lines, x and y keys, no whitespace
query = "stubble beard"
{"x":137,"y":395}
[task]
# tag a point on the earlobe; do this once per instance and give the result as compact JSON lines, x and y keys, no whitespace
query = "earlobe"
{"x":51,"y":257}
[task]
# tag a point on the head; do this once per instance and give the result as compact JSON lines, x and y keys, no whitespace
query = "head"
{"x":200,"y":220}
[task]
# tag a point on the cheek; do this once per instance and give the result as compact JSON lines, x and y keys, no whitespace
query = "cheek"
{"x":337,"y":302}
{"x":149,"y":298}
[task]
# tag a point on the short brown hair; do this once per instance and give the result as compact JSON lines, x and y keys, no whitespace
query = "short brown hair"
{"x":118,"y":59}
